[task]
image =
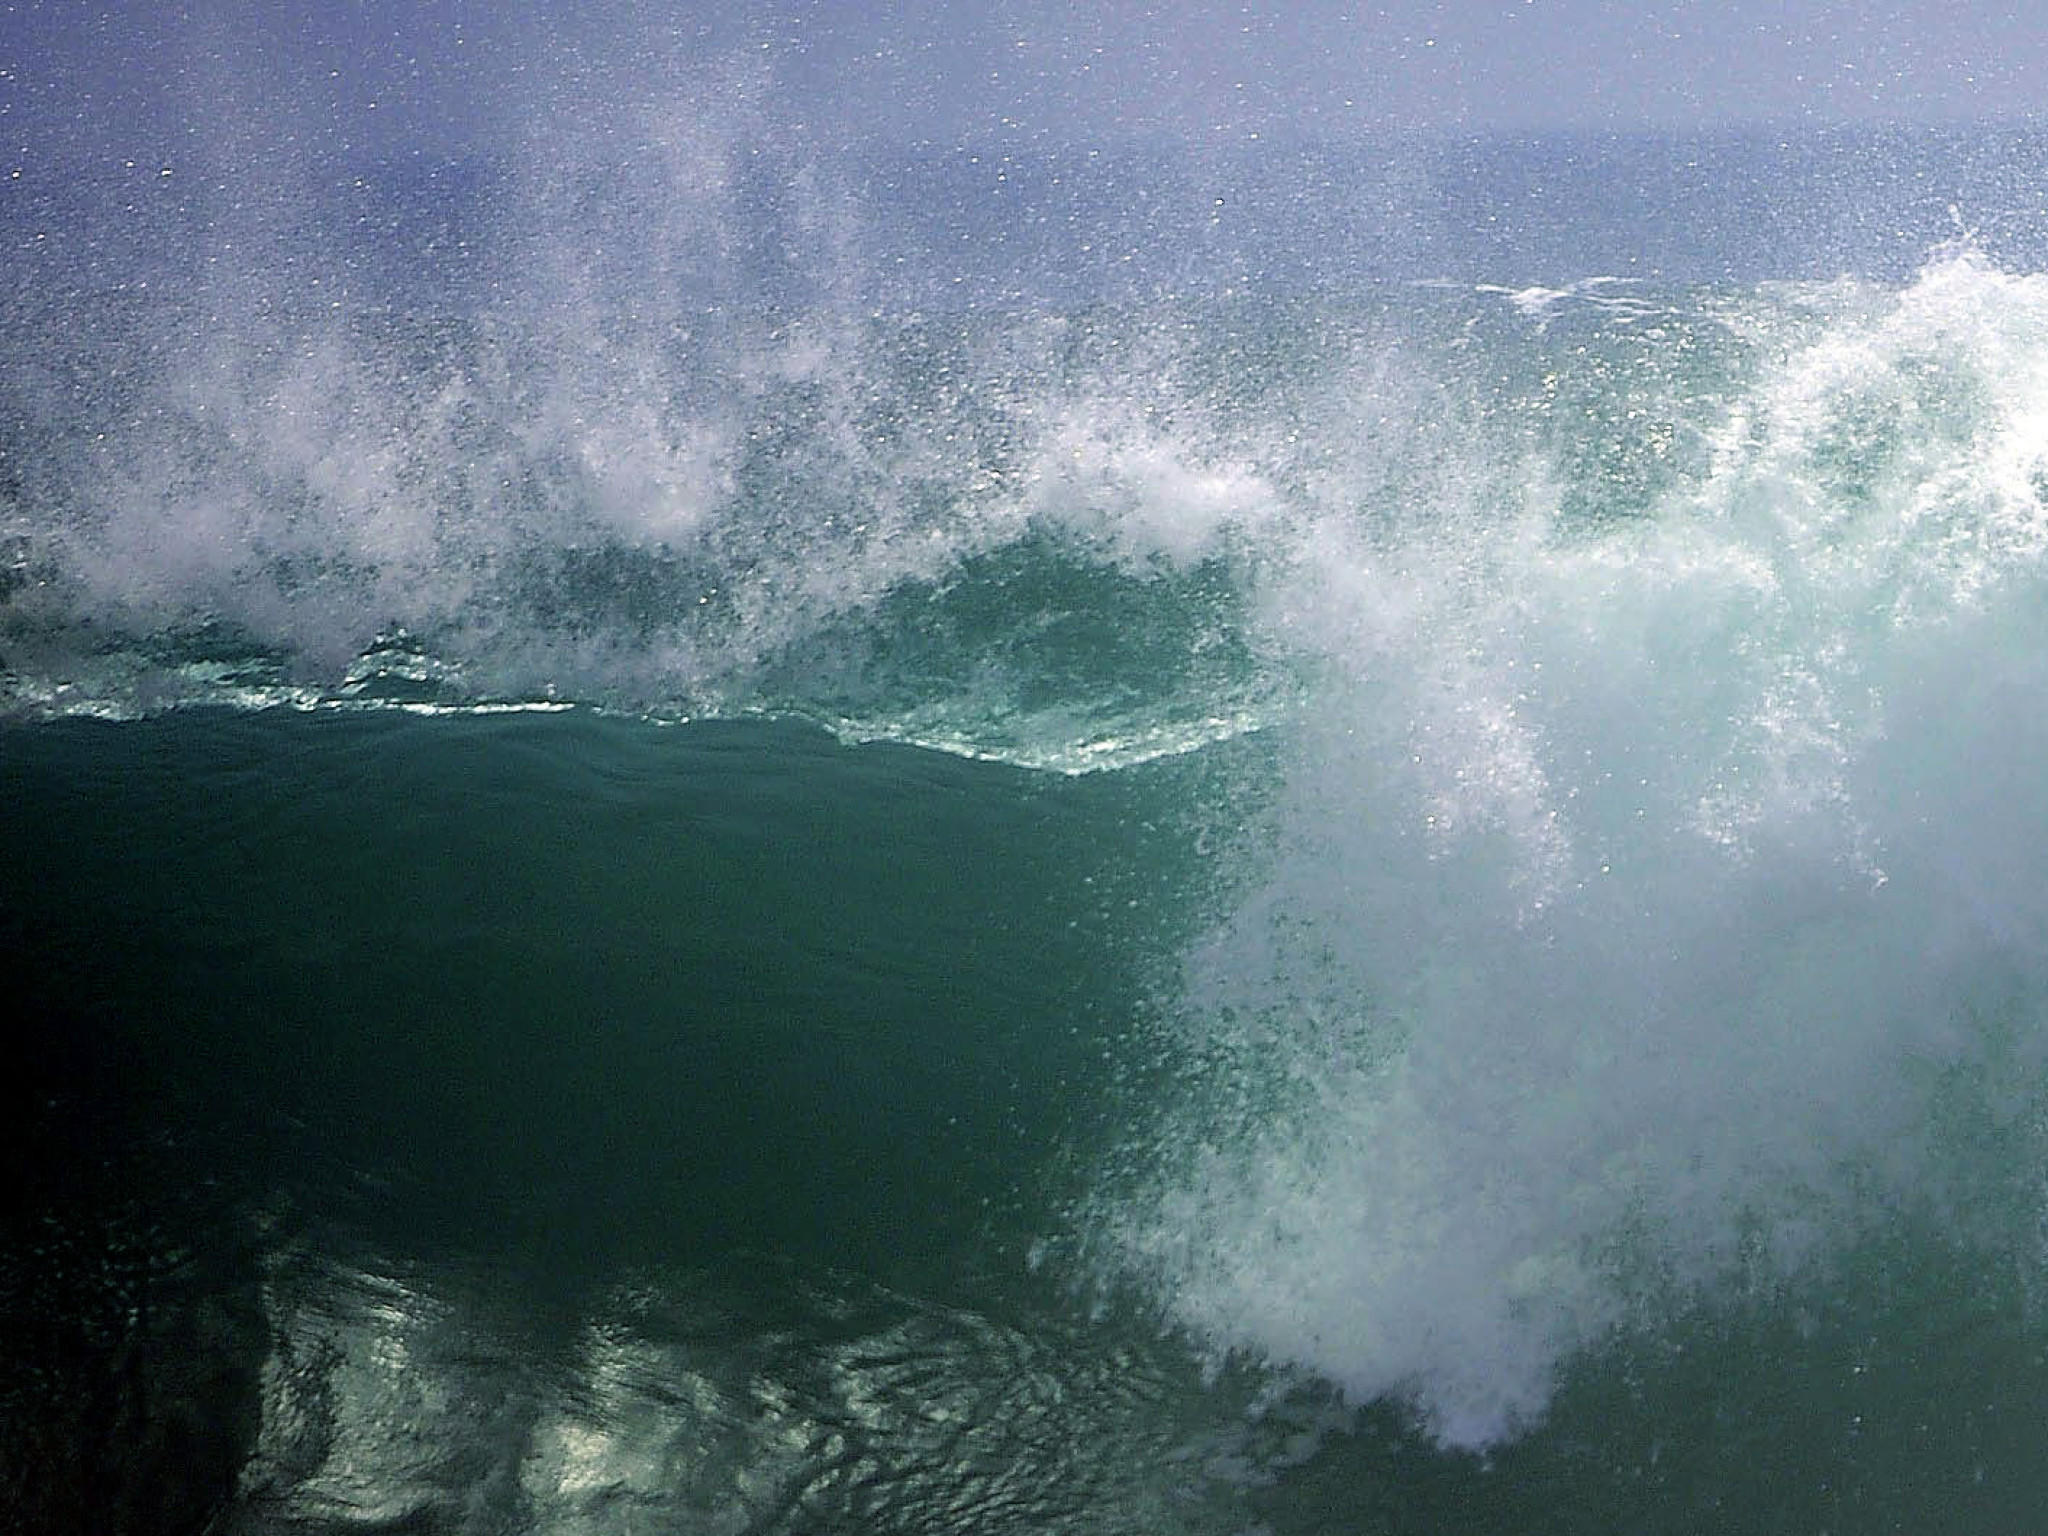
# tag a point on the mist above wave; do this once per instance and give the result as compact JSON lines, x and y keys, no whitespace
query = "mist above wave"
{"x":666,"y":406}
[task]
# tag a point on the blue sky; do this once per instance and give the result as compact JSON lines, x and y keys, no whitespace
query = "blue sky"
{"x":447,"y":74}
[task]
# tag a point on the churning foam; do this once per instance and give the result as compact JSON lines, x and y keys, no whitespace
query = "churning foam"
{"x":1633,"y":885}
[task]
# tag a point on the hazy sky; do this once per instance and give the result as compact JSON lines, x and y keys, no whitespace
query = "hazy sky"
{"x":1324,"y":68}
{"x":375,"y":74}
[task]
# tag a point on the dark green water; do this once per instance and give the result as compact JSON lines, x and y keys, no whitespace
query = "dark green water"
{"x":534,"y":1005}
{"x":634,"y":989}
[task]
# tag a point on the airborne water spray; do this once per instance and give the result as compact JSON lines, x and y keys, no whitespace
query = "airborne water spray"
{"x":642,"y":420}
{"x":1645,"y":875}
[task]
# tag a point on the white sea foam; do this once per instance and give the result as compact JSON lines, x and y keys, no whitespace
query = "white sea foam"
{"x":1630,"y":885}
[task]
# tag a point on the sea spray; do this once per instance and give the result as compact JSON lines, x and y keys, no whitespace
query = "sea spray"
{"x":1633,"y":879}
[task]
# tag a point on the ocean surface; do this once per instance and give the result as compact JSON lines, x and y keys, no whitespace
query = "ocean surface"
{"x":700,"y":838}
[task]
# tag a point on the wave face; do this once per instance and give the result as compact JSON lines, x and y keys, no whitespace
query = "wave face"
{"x":1422,"y":875}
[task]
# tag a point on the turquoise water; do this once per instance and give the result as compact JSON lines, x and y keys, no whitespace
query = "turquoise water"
{"x":1409,"y":904}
